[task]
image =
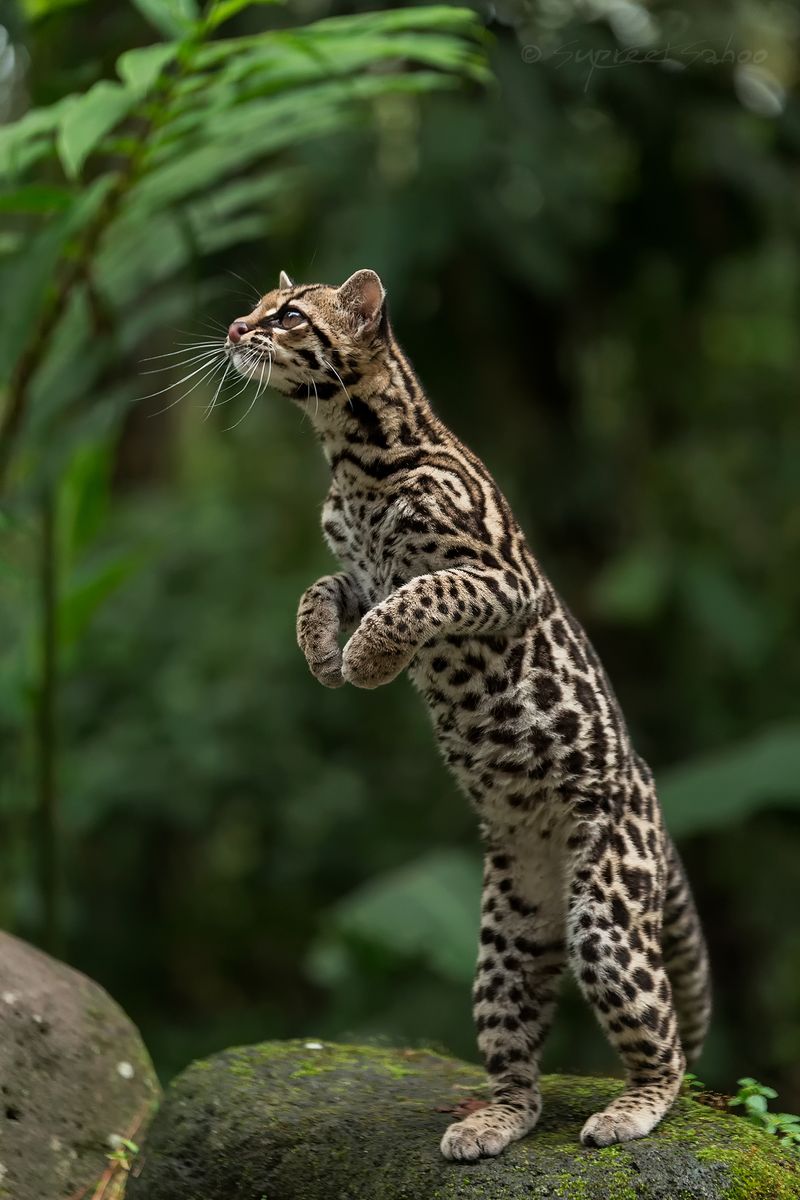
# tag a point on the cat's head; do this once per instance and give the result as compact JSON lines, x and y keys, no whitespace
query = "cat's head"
{"x":304,"y":339}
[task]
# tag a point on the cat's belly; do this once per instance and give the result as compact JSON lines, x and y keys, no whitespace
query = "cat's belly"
{"x":488,"y":728}
{"x":528,"y":746}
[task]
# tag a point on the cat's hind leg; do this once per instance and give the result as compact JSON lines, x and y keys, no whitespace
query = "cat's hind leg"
{"x":520,"y":962}
{"x":614,"y":938}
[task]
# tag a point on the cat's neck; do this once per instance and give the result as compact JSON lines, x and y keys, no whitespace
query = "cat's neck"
{"x":379,"y":412}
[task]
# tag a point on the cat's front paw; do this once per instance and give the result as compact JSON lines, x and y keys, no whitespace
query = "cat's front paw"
{"x":607,"y":1128}
{"x":327,"y":669}
{"x":486,"y":1133}
{"x":368,"y":662}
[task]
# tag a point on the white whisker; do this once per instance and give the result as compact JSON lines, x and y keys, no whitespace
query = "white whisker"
{"x":193,"y":358}
{"x":186,"y":378}
{"x":192,"y":333}
{"x":240,"y":390}
{"x":184,"y":346}
{"x":261,"y":385}
{"x":246,"y":283}
{"x":210,"y":406}
{"x":210,"y":372}
{"x":249,"y":408}
{"x":331,"y":367}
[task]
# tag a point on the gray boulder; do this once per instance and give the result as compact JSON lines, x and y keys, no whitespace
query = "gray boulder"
{"x":312,"y":1121}
{"x":74,"y":1073}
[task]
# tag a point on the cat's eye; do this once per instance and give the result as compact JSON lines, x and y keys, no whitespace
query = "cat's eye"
{"x":291,"y":319}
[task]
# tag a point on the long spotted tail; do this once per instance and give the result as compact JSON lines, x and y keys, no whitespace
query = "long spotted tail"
{"x":686,"y":959}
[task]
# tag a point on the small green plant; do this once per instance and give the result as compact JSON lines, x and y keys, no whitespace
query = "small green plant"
{"x":753,"y":1097}
{"x":786,"y":1126}
{"x":123,"y":1154}
{"x":692,"y":1083}
{"x":111,"y":1185}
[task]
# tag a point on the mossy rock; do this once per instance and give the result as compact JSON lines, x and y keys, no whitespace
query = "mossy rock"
{"x":312,"y":1121}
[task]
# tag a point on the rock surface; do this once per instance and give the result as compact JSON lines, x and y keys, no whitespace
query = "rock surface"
{"x":73,"y":1072}
{"x":312,"y":1121}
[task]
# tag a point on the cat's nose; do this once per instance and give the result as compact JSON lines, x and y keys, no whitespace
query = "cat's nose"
{"x":236,"y":331}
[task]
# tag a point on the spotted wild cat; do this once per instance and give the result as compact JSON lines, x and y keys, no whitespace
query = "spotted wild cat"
{"x":437,"y":579}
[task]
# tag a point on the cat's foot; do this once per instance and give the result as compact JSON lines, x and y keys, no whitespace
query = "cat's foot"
{"x":608,"y":1127}
{"x":327,"y":668}
{"x":317,"y":638}
{"x":368,"y":662}
{"x":485,"y":1133}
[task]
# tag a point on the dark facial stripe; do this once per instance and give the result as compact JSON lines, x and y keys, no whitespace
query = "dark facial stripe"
{"x":304,"y":291}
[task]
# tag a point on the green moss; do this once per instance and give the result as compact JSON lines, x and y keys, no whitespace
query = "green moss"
{"x":243,"y":1070}
{"x":298,"y":1122}
{"x":756,"y":1173}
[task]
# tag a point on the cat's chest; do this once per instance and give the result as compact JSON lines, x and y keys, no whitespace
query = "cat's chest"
{"x":365,"y":530}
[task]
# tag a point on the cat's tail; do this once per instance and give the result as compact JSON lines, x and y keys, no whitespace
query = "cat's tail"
{"x":686,"y":959}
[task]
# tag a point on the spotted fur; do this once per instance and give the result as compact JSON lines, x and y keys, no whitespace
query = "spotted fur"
{"x":437,"y":579}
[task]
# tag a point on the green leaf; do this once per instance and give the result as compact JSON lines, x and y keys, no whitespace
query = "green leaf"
{"x":26,"y":278}
{"x":173,"y":18}
{"x":86,"y":121}
{"x":438,"y":18}
{"x":36,"y":198}
{"x":36,"y":9}
{"x":438,"y":896}
{"x":82,"y":121}
{"x":84,"y":597}
{"x":83,"y":499}
{"x":140,"y":69}
{"x":226,"y":9}
{"x":25,"y":141}
{"x":721,"y":789}
{"x":262,"y":128}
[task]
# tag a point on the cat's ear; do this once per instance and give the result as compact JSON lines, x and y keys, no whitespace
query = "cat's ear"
{"x":284,"y":282}
{"x":362,"y":297}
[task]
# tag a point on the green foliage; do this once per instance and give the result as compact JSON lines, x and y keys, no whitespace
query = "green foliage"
{"x":785,"y":1126}
{"x":438,"y":896}
{"x":145,"y":147}
{"x":753,"y":1097}
{"x":172,"y":18}
{"x":87,"y":582}
{"x":44,"y":8}
{"x":733,"y":784}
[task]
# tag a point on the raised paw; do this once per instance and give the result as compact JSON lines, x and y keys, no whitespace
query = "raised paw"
{"x":607,"y":1128}
{"x":369,"y":663}
{"x":327,"y":670}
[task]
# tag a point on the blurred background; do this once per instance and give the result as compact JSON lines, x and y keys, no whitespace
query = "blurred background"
{"x":586,"y":215}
